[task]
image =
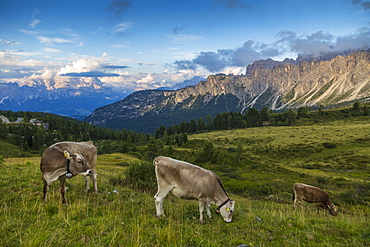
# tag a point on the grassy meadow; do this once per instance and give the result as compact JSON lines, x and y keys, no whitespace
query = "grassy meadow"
{"x":265,"y":164}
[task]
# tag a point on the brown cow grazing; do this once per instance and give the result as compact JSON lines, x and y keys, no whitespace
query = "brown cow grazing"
{"x":66,"y":159}
{"x":189,"y":181}
{"x":313,"y":194}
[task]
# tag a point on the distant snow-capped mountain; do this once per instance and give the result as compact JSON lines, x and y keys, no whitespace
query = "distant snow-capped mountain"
{"x":74,"y":97}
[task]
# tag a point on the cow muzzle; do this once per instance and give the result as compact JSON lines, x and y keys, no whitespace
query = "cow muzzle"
{"x":87,"y":173}
{"x":227,"y":220}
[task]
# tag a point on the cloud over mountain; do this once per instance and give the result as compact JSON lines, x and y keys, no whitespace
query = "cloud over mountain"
{"x":288,"y":41}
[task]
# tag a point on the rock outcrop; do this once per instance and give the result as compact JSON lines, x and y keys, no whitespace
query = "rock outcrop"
{"x":276,"y":85}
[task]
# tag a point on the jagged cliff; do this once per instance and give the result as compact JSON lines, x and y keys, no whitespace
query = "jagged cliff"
{"x":276,"y":85}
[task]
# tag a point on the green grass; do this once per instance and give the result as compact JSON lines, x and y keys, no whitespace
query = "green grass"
{"x":127,"y":218}
{"x":334,"y":156}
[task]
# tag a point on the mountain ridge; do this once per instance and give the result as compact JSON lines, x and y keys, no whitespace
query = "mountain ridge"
{"x":330,"y":82}
{"x":76,"y":97}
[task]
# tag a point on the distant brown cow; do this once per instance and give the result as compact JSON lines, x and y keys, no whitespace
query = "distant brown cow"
{"x":313,"y":194}
{"x":66,"y":159}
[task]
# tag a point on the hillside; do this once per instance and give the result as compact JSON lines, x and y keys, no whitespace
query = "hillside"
{"x":257,"y":166}
{"x":336,"y":82}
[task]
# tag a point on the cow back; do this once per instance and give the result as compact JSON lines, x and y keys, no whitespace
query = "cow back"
{"x":311,"y":194}
{"x":190,"y":181}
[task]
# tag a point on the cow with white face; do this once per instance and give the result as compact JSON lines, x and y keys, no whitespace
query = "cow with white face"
{"x":67,"y":159}
{"x":189,"y":181}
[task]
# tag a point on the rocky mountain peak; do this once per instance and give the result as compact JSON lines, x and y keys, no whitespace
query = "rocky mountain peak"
{"x":267,"y":83}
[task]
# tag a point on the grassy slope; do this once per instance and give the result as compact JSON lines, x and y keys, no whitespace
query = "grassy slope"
{"x":334,"y":155}
{"x":127,"y":218}
{"x":10,"y":150}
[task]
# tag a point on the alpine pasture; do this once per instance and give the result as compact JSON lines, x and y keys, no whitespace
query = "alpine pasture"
{"x":258,"y":167}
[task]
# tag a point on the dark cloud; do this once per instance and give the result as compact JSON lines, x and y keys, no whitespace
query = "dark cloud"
{"x":176,"y":30}
{"x":245,"y":54}
{"x":233,"y":3}
{"x":118,"y":7}
{"x":321,"y":42}
{"x":361,"y":39}
{"x":116,"y":67}
{"x":184,"y":65}
{"x":14,"y":74}
{"x":287,"y":42}
{"x":212,"y":61}
{"x":5,"y":42}
{"x":217,"y":61}
{"x":90,"y":74}
{"x":363,"y":4}
{"x":313,"y":44}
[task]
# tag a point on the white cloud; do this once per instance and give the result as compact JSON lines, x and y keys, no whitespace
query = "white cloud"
{"x":51,"y":50}
{"x":29,"y":32}
{"x":47,"y":40}
{"x":34,"y":23}
{"x":123,"y":26}
{"x":7,"y":58}
{"x":145,"y":81}
{"x":11,"y":65}
{"x":183,"y":38}
{"x":83,"y":65}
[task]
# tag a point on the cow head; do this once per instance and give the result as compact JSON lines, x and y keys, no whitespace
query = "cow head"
{"x":76,"y":164}
{"x":226,"y":210}
{"x":333,"y":210}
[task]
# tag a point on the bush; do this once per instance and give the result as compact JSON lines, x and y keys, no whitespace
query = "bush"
{"x":141,"y":177}
{"x":359,"y":195}
{"x":329,"y":145}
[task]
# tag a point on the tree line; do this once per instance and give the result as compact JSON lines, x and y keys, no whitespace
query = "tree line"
{"x":265,"y":117}
{"x":34,"y":139}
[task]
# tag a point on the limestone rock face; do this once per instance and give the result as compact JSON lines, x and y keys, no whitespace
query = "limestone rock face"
{"x":332,"y":81}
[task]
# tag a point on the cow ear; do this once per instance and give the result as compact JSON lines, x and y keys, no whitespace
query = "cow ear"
{"x":66,"y":154}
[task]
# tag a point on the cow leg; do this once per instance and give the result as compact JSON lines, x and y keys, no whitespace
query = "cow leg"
{"x":62,"y":180}
{"x":202,"y":205}
{"x":159,"y":197}
{"x":46,"y":189}
{"x":295,"y":199}
{"x":201,"y":210}
{"x":299,"y":200}
{"x":87,"y":183}
{"x":93,"y":177}
{"x":208,"y":205}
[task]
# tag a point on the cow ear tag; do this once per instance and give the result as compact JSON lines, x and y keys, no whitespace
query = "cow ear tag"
{"x":227,"y":209}
{"x":66,"y":154}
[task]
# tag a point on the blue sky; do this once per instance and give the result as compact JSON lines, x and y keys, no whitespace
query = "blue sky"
{"x":143,"y":44}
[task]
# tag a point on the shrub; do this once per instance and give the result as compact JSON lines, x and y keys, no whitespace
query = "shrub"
{"x":358,"y":195}
{"x":329,"y":145}
{"x":141,"y":177}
